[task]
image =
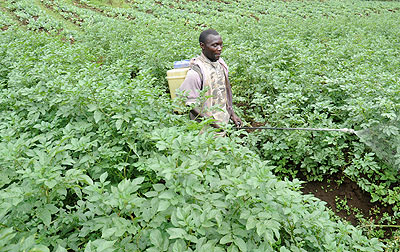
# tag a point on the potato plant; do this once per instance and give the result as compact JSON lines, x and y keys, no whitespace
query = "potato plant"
{"x":93,"y":158}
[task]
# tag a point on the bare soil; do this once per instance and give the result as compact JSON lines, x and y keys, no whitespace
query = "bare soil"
{"x":348,"y":200}
{"x":331,"y":192}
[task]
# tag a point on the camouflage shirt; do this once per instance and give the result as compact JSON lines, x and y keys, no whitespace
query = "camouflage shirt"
{"x":212,"y":75}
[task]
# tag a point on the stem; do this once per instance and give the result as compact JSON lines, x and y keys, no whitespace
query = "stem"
{"x":126,"y":161}
{"x":5,"y":226}
{"x":205,"y":164}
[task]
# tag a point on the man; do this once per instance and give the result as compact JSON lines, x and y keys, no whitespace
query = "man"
{"x":209,"y":70}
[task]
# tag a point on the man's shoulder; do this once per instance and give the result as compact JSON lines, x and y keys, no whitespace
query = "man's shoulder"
{"x":194,"y":61}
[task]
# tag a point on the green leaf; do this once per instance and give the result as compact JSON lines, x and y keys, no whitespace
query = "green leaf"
{"x":97,"y":116}
{"x":107,"y":233}
{"x":167,"y":195}
{"x":6,"y":235}
{"x":156,"y":238}
{"x":103,"y":177}
{"x":118,"y":124}
{"x":138,"y":181}
{"x":151,"y":194}
{"x":88,"y":247}
{"x":158,"y":187}
{"x":241,"y":193}
{"x":60,"y":249}
{"x":78,"y":192}
{"x":163,"y":205}
{"x":86,"y":179}
{"x":39,"y":248}
{"x":251,"y":223}
{"x":226,"y":239}
{"x":51,"y":208}
{"x":92,"y":107}
{"x":44,"y":215}
{"x":50,"y":183}
{"x":284,"y":249}
{"x":225,"y":228}
{"x":179,"y":246}
{"x":241,"y":244}
{"x":175,"y":233}
{"x":103,"y":245}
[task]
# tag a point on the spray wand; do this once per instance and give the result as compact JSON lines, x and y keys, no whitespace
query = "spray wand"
{"x":345,"y":130}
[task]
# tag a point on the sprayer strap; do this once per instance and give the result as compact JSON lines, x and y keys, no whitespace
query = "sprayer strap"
{"x":197,"y":69}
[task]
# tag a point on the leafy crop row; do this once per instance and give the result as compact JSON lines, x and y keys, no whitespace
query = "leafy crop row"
{"x":33,"y":16}
{"x":93,"y":158}
{"x":289,"y":70}
{"x":88,"y":133}
{"x":337,"y":76}
{"x":67,"y":12}
{"x":5,"y":21}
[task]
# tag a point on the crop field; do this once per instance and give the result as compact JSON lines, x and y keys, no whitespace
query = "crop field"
{"x":95,"y":157}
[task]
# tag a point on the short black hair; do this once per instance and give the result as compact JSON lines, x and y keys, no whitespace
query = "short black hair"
{"x":204,"y":35}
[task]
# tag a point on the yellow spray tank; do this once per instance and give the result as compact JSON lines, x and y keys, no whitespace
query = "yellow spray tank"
{"x":177,"y":75}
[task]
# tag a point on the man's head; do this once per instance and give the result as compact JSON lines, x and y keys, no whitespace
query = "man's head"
{"x":211,"y":44}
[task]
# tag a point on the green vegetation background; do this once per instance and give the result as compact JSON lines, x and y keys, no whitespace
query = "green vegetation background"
{"x":93,"y":158}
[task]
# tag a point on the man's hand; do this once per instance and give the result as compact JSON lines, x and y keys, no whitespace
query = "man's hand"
{"x":236,"y":120}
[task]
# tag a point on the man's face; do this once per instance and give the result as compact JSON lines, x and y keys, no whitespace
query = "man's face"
{"x":212,"y":48}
